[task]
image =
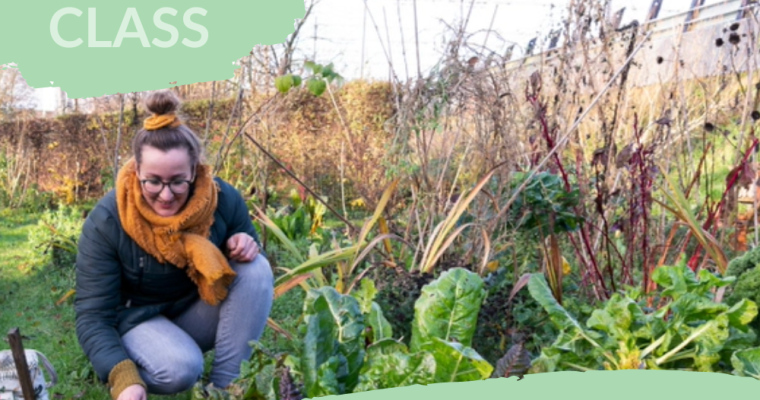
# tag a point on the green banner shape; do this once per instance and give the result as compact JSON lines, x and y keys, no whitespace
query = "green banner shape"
{"x":594,"y":385}
{"x":95,"y":48}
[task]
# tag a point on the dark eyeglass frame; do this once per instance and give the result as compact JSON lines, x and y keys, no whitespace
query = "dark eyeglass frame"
{"x":167,"y":184}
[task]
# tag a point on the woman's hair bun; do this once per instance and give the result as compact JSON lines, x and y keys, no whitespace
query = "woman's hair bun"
{"x":162,"y":102}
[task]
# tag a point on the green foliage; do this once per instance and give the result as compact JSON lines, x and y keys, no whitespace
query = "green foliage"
{"x":745,"y":270}
{"x":380,"y":328}
{"x":316,"y":86}
{"x":56,"y":235}
{"x":34,"y":298}
{"x":747,"y":362}
{"x":347,"y":347}
{"x":544,"y":199}
{"x":398,"y":290}
{"x":448,"y":309}
{"x":284,"y":83}
{"x":297,"y":220}
{"x":456,"y":362}
{"x":321,"y":75}
{"x":690,"y":332}
{"x":390,"y":365}
{"x":332,"y":342}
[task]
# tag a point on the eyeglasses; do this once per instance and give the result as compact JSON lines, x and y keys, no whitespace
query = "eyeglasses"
{"x":155,"y":186}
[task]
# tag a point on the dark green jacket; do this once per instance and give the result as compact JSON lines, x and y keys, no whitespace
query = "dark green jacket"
{"x":119,"y":285}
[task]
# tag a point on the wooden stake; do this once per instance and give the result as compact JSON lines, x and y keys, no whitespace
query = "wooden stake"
{"x":14,"y":338}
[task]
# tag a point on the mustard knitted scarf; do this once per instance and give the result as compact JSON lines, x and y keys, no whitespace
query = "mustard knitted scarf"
{"x":180,"y":239}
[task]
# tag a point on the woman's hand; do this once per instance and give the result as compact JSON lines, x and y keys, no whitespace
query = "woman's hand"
{"x":134,"y":392}
{"x":242,"y":247}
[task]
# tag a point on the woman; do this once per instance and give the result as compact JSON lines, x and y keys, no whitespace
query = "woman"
{"x":154,"y":288}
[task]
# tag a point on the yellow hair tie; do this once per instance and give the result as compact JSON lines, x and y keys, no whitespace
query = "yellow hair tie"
{"x":156,"y":121}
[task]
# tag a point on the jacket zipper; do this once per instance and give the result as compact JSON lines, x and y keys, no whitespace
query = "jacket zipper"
{"x":140,"y":279}
{"x":142,"y":268}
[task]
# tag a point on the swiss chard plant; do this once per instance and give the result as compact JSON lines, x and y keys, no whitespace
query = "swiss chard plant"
{"x":691,"y":331}
{"x":346,"y":345}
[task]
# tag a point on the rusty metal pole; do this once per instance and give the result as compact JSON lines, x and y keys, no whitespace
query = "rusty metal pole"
{"x":743,"y":12}
{"x":617,"y":18}
{"x":17,"y":348}
{"x":654,"y":10}
{"x":692,"y":14}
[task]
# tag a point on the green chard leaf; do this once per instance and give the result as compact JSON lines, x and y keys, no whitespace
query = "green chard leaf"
{"x":386,"y":370}
{"x":541,"y":292}
{"x":381,"y":328}
{"x":676,"y":280}
{"x":327,"y":383}
{"x":457,"y":363}
{"x":386,"y":346}
{"x":711,"y":343}
{"x":257,"y":375}
{"x":334,"y":327}
{"x":747,"y":362}
{"x":742,"y":313}
{"x":365,"y":295}
{"x":616,"y":318}
{"x":448,"y":308}
{"x":691,"y":307}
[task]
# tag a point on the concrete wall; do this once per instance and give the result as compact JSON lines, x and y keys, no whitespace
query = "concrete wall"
{"x":678,"y":48}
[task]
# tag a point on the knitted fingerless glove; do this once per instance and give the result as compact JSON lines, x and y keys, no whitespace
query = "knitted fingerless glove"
{"x":122,"y":376}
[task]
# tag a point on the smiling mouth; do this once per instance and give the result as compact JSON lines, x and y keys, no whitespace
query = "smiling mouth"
{"x":165,"y":205}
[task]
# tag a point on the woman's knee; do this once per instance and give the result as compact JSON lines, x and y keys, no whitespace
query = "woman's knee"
{"x":256,"y":273}
{"x":179,"y":373}
{"x":169,"y":359}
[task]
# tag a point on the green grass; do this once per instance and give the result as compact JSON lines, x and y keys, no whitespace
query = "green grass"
{"x":29,"y":289}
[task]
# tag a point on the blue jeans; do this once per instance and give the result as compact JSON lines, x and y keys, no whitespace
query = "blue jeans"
{"x":169,"y":353}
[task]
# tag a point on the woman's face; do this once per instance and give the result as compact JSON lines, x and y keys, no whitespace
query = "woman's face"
{"x":167,"y":167}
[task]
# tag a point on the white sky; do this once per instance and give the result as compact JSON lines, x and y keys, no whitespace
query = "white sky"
{"x":342,"y":31}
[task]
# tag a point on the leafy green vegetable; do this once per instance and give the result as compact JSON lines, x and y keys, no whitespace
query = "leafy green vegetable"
{"x":742,"y":313}
{"x":678,"y":281}
{"x":328,"y":381}
{"x":544,"y":201}
{"x":365,"y":295}
{"x":390,"y":369}
{"x":448,"y":308}
{"x":373,"y":314}
{"x":747,"y":284}
{"x":381,"y":328}
{"x":539,"y":289}
{"x":256,"y":375}
{"x":457,"y":363}
{"x":332,"y":359}
{"x":691,"y":332}
{"x":386,"y":346}
{"x":747,"y":362}
{"x":334,"y":335}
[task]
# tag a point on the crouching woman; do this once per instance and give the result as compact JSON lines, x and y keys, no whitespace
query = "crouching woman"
{"x":169,"y":267}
